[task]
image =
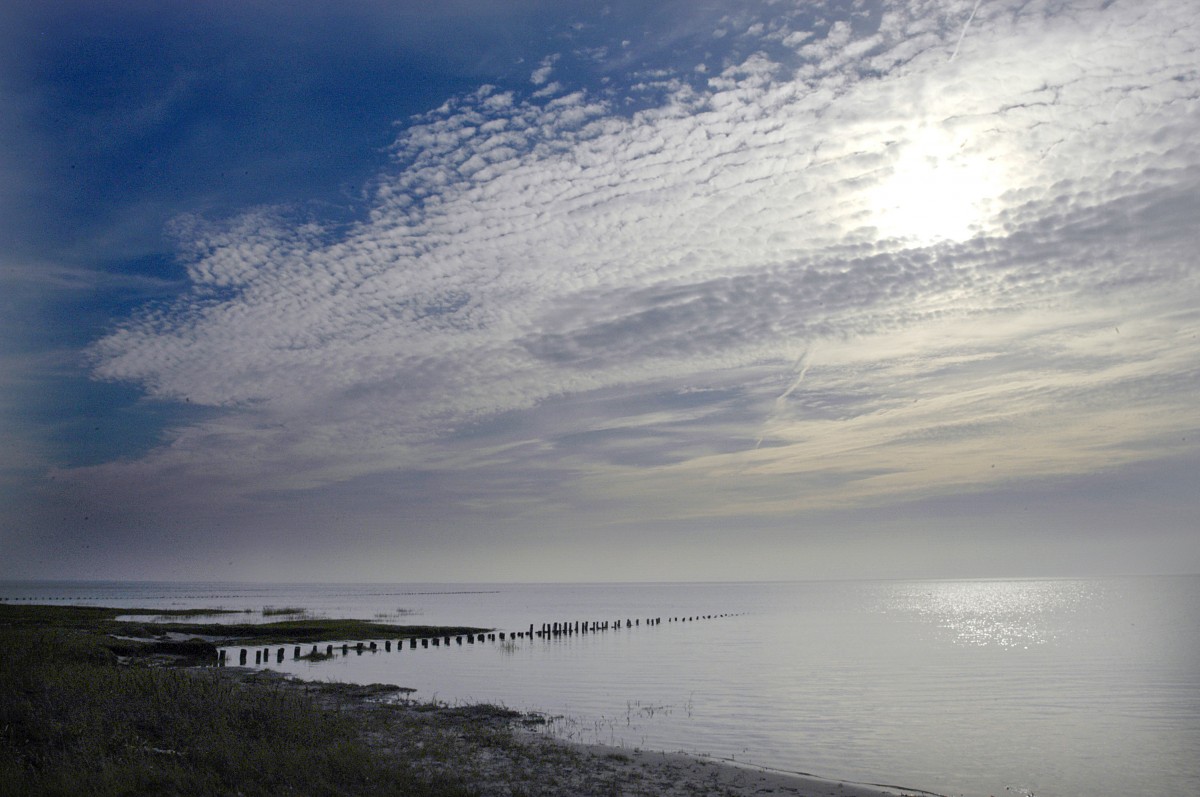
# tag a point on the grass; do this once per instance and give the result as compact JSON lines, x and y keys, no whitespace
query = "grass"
{"x":315,"y":630}
{"x":75,"y":720}
{"x":85,"y":713}
{"x":272,"y":611}
{"x":103,"y":619}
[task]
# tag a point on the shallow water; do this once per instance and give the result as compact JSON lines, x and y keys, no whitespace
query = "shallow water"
{"x":1057,"y":687}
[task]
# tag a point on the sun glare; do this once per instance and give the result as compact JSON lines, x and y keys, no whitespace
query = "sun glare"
{"x":937,"y":189}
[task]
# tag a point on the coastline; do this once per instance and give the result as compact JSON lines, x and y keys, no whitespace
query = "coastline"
{"x":90,"y":699}
{"x":683,"y":774}
{"x":497,"y":752}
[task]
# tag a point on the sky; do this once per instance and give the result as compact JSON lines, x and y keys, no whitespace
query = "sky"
{"x":552,"y":290}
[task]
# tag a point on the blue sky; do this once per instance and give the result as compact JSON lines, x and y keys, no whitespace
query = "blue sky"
{"x":557,"y":290}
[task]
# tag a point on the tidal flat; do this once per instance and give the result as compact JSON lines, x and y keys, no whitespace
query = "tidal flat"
{"x":91,"y":704}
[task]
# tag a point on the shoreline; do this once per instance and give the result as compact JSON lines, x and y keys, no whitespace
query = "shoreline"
{"x":687,"y":774}
{"x":497,"y":751}
{"x":92,"y":699}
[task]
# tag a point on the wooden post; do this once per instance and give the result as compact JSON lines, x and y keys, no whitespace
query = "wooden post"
{"x":424,"y":643}
{"x":296,"y":652}
{"x":279,"y":656}
{"x":358,"y":648}
{"x":387,"y":646}
{"x":258,"y":657}
{"x":374,"y":647}
{"x":242,"y":657}
{"x":345,"y":648}
{"x":412,"y":643}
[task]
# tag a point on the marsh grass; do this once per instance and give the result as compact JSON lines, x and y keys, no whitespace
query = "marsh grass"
{"x":85,"y":713}
{"x":277,"y":611}
{"x":74,"y":720}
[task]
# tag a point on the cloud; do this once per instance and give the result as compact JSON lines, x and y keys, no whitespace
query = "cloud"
{"x":527,"y":253}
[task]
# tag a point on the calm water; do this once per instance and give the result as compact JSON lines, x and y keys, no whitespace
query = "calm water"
{"x":1063,"y":688}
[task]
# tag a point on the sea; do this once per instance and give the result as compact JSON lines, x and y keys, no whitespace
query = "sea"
{"x":1083,"y":687}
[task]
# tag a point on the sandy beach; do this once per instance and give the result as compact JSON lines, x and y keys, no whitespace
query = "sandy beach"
{"x":502,"y":753}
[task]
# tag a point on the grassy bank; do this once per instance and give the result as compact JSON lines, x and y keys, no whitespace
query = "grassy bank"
{"x":98,"y":619}
{"x":75,"y":720}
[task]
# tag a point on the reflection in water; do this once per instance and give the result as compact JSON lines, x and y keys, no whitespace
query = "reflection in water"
{"x":1007,"y":614}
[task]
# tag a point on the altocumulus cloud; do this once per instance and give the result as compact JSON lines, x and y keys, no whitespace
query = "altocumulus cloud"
{"x":884,"y":255}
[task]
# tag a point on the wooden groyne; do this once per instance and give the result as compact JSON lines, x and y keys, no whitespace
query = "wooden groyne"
{"x":555,"y":629}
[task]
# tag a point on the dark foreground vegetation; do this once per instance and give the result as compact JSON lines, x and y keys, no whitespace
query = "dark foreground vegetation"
{"x":85,"y":713}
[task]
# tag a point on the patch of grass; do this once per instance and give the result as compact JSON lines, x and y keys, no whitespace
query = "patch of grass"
{"x":104,"y":619}
{"x":74,"y":720}
{"x":81,"y":713}
{"x":274,"y":611}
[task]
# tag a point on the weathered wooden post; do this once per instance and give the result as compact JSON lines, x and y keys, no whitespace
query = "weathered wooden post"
{"x":387,"y":646}
{"x":358,"y":648}
{"x":296,"y":652}
{"x":374,"y":647}
{"x":458,"y":639}
{"x":424,"y":643}
{"x":279,"y":656}
{"x":258,"y":657}
{"x":345,"y":648}
{"x":314,"y":652}
{"x":412,"y":643}
{"x":446,"y":639}
{"x":242,"y":658}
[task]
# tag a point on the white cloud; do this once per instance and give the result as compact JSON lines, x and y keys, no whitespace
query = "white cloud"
{"x":541,"y":75}
{"x":522,"y":252}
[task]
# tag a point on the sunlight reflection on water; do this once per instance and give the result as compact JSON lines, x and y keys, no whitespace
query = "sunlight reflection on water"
{"x":1007,"y":614}
{"x":1061,"y":687}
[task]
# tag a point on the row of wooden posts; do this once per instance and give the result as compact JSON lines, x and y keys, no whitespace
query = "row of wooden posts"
{"x":546,"y":631}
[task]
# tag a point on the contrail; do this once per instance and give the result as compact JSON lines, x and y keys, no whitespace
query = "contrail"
{"x":963,"y":35}
{"x":801,"y":368}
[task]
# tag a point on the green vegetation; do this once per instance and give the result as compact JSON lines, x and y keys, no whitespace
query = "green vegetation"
{"x":271,"y":611}
{"x":75,"y":720}
{"x":311,"y":630}
{"x":104,"y":620}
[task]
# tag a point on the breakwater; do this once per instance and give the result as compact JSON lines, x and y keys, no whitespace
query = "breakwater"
{"x":265,"y":654}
